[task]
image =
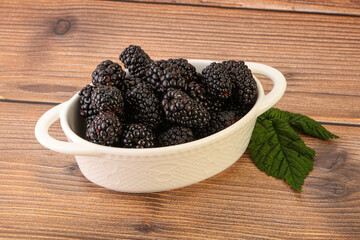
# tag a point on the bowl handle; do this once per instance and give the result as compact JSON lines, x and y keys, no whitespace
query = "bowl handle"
{"x":278,"y":90}
{"x":42,"y":135}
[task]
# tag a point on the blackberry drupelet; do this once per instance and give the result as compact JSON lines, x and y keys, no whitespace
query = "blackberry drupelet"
{"x":109,"y":73}
{"x":199,"y":78}
{"x":198,"y":93}
{"x":187,"y":71}
{"x":88,"y":120}
{"x":181,"y":109}
{"x":175,"y":135}
{"x":104,"y":129}
{"x":138,"y":136}
{"x":144,"y":105}
{"x":218,"y":122}
{"x":107,"y":98}
{"x":218,"y":81}
{"x":244,"y":84}
{"x":242,"y":110}
{"x":86,"y":109}
{"x":163,"y":75}
{"x":214,"y":104}
{"x":131,"y":82}
{"x":135,"y":60}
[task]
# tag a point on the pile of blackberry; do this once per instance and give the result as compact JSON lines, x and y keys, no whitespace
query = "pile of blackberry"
{"x":163,"y":103}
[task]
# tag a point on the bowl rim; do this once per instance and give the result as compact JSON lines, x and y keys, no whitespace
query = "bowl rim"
{"x":109,"y":150}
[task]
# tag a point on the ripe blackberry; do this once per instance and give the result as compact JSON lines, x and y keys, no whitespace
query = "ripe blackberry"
{"x":214,"y":104}
{"x":131,"y":82}
{"x":187,"y":71}
{"x":197,"y":92}
{"x":144,"y":105}
{"x":104,"y":129}
{"x":107,"y":98}
{"x":199,"y":78}
{"x":244,"y":84}
{"x":109,"y":73}
{"x":163,"y":75}
{"x":175,"y":135}
{"x":241,"y":110}
{"x":135,"y":60}
{"x":85,"y":101}
{"x":217,"y":81}
{"x":138,"y":136}
{"x":181,"y":109}
{"x":218,"y":122}
{"x":88,"y":120}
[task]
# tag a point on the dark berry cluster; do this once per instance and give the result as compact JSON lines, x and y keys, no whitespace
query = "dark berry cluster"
{"x":144,"y":105}
{"x":181,"y":109}
{"x":135,"y":60}
{"x":163,"y":75}
{"x":176,"y":135}
{"x":165,"y":102}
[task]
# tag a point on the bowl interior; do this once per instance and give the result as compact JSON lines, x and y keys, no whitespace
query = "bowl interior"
{"x":76,"y":122}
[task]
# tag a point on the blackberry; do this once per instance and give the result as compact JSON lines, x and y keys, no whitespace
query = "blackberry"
{"x":109,"y":73}
{"x":244,"y":84}
{"x":131,"y":82}
{"x":135,"y":60}
{"x":214,"y":104}
{"x":138,"y":136}
{"x":144,"y":105}
{"x":163,"y":75}
{"x":89,"y":119}
{"x":218,"y":122}
{"x":85,"y":101}
{"x":199,"y":78}
{"x":175,"y":135}
{"x":181,"y":109}
{"x":241,"y":110}
{"x":107,"y":98}
{"x":187,"y":71}
{"x":104,"y":129}
{"x":218,"y":81}
{"x":198,"y":93}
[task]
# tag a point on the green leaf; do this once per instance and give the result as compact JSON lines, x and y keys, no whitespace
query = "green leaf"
{"x":279,"y":151}
{"x":276,"y":113}
{"x":301,"y":122}
{"x":310,"y":127}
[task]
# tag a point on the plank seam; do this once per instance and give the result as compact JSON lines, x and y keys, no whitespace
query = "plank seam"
{"x":245,"y":8}
{"x":28,"y":102}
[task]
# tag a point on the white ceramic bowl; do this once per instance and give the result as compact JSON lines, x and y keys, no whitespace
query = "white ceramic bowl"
{"x":164,"y":168}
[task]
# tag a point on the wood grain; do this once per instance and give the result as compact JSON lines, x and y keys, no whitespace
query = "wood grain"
{"x":44,"y":195}
{"x":49,"y":49}
{"x":313,"y":6}
{"x":47,"y":53}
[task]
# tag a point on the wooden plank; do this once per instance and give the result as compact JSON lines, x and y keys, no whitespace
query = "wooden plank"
{"x":314,"y":6}
{"x":49,"y":49}
{"x":44,"y":195}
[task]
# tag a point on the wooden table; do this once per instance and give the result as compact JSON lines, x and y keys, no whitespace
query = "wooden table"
{"x":48,"y":50}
